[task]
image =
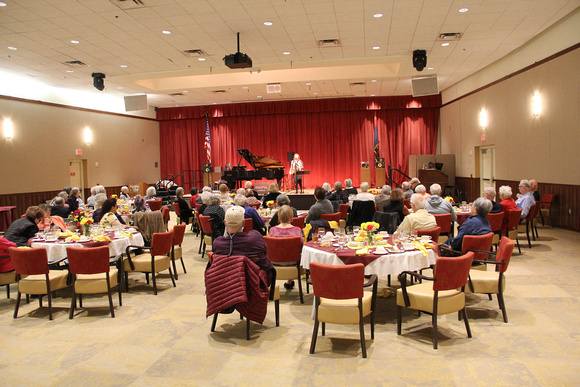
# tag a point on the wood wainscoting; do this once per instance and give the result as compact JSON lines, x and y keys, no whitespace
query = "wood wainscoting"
{"x":468,"y":187}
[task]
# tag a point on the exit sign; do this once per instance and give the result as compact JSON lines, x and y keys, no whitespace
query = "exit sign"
{"x":79,"y":152}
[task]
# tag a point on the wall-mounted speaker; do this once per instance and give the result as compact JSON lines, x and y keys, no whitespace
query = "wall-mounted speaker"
{"x":273,"y":88}
{"x":207,"y":168}
{"x":136,"y":102}
{"x":419,"y":59}
{"x":364,"y":164}
{"x":425,"y":86}
{"x":380,"y":163}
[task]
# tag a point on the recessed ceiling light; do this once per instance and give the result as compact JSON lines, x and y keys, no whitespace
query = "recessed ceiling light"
{"x":244,"y":87}
{"x":315,"y":93}
{"x":185,"y":91}
{"x":259,"y":96}
{"x":166,"y":32}
{"x":308,"y":84}
{"x":429,"y":68}
{"x":268,"y":23}
{"x":376,"y":48}
{"x":445,"y":44}
{"x":2,"y":4}
{"x":286,"y":53}
{"x":120,"y":88}
{"x":378,"y":15}
{"x":372,"y":95}
{"x":12,"y":48}
{"x":123,"y":66}
{"x":74,"y":41}
{"x":373,"y":80}
{"x":463,"y":10}
{"x":201,"y":59}
{"x":69,"y":71}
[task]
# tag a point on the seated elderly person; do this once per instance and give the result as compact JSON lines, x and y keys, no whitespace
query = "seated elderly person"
{"x":420,"y":219}
{"x":414,"y":183}
{"x":365,"y":195}
{"x":383,"y":197}
{"x":216,"y":214}
{"x":100,"y":199}
{"x":22,"y":229}
{"x":285,"y":229}
{"x":184,"y":209}
{"x":205,"y":196}
{"x":273,"y":192}
{"x":322,"y":206}
{"x":249,"y":212}
{"x":59,"y":208}
{"x":535,"y":192}
{"x":250,"y":244}
{"x":327,"y":188}
{"x":476,"y":224}
{"x":282,"y":200}
{"x":194,"y":197}
{"x":63,"y":195}
{"x":250,"y":186}
{"x":437,"y":205}
{"x":250,"y":198}
{"x":339,"y":194}
{"x":420,"y":189}
{"x":77,"y":193}
{"x":150,"y":194}
{"x":395,"y":204}
{"x":91,"y":199}
{"x":407,"y":191}
{"x":526,"y":200}
{"x":507,"y":204}
{"x":139,"y":204}
{"x":349,"y":188}
{"x":72,"y":202}
{"x":224,"y":194}
{"x":489,"y":194}
{"x":124,"y":193}
{"x":108,"y":215}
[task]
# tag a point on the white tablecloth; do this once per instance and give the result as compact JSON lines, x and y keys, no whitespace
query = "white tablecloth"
{"x":56,"y":251}
{"x":392,"y":264}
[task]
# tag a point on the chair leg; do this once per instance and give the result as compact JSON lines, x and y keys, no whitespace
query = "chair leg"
{"x":110,"y":297}
{"x":120,"y":294}
{"x":126,"y":282}
{"x":215,"y":316}
{"x":73,"y":303}
{"x":147,"y":278}
{"x":434,"y":319}
{"x":490,"y":297}
{"x":172,"y":277}
{"x":388,"y":280}
{"x":519,"y":249}
{"x":466,"y":321}
{"x":323,"y":329}
{"x":277,"y":310}
{"x":528,"y":234}
{"x":80,"y":301}
{"x":501,"y":303}
{"x":17,"y":304}
{"x":49,"y":295}
{"x":399,"y":319}
{"x":314,"y":334}
{"x":8,"y":291}
{"x":174,"y":269}
{"x":182,"y":264}
{"x":300,"y":287}
{"x":363,"y":343}
{"x":247,"y":329}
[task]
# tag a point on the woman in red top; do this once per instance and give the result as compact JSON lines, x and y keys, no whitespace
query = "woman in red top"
{"x":284,"y":230}
{"x":507,"y":203}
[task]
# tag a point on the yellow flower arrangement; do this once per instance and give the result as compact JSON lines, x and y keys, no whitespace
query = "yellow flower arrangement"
{"x":449,"y":199}
{"x":271,"y":204}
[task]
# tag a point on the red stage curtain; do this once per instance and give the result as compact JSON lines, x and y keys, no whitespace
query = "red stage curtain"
{"x":331,"y":143}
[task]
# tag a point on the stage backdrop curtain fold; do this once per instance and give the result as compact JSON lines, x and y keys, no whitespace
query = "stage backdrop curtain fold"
{"x":331,"y":143}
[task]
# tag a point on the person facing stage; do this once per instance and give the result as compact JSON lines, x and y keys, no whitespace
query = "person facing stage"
{"x":296,"y":166}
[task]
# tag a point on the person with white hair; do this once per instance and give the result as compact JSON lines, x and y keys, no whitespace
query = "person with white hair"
{"x":100,"y":199}
{"x":72,"y":201}
{"x":124,"y":192}
{"x":383,"y":197}
{"x":91,"y":199}
{"x":420,"y":189}
{"x":282,"y":200}
{"x":216,"y":214}
{"x":150,"y":194}
{"x":437,"y":205}
{"x":507,"y":204}
{"x":407,"y":191}
{"x":339,"y":194}
{"x":249,"y":212}
{"x":205,"y":196}
{"x":489,"y":194}
{"x":349,"y":188}
{"x":250,"y":185}
{"x":327,"y":188}
{"x":184,"y":209}
{"x":364,"y":195}
{"x":250,"y":244}
{"x":420,"y":219}
{"x":526,"y":200}
{"x":476,"y":224}
{"x":535,"y":192}
{"x":80,"y":201}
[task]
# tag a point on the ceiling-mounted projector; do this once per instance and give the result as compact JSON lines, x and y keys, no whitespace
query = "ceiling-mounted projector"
{"x":239,"y":60}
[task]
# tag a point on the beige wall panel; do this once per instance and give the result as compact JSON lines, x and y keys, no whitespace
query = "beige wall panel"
{"x":46,"y":137}
{"x":451,"y":135}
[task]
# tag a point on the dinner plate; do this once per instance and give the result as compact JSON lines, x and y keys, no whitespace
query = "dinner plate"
{"x":336,"y":245}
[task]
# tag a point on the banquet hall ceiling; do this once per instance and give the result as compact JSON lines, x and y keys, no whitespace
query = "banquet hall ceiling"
{"x":125,"y":40}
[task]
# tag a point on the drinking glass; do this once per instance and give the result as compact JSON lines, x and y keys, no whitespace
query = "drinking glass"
{"x":356,"y":230}
{"x":315,"y":238}
{"x":320,"y":234}
{"x":342,"y":241}
{"x":414,"y":234}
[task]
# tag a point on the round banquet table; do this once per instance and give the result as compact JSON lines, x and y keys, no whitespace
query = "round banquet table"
{"x":57,"y":250}
{"x":462,"y":217}
{"x":388,"y":264}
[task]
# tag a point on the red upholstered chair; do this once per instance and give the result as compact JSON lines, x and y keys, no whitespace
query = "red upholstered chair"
{"x":529,"y":224}
{"x":206,"y":232}
{"x":445,"y":296}
{"x":407,"y":203}
{"x":343,"y":209}
{"x":432,"y":232}
{"x":339,"y":298}
{"x":176,"y":251}
{"x":493,"y":282}
{"x":92,"y":274}
{"x":514,"y":217}
{"x":248,"y":224}
{"x":477,"y":243}
{"x":178,"y":213}
{"x":155,"y":205}
{"x":444,"y":221}
{"x":495,"y":222}
{"x":34,"y":276}
{"x":166,"y":214}
{"x":546,"y":208}
{"x":298,"y":221}
{"x":331,"y":217}
{"x":286,"y":251}
{"x":158,"y":259}
{"x":256,"y":205}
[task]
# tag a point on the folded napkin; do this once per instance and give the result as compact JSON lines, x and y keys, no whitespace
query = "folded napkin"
{"x":101,"y":238}
{"x":419,"y":245}
{"x":127,"y":234}
{"x":363,"y":251}
{"x":72,"y":238}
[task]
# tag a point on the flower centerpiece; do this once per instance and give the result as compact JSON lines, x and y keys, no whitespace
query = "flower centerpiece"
{"x":271,"y":204}
{"x":86,"y":224}
{"x":449,"y":199}
{"x":371,"y":229}
{"x":114,"y":196}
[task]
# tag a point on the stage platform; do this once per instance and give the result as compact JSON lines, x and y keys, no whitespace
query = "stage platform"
{"x":301,"y":201}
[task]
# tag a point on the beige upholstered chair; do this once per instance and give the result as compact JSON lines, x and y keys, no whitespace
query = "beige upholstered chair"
{"x":285,"y":255}
{"x":176,"y":250}
{"x":92,"y":274}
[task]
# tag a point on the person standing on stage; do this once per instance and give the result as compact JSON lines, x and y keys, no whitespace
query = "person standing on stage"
{"x":296,"y":166}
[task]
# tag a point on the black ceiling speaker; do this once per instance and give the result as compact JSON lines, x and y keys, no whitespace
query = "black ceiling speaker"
{"x":419,"y":59}
{"x":99,"y":81}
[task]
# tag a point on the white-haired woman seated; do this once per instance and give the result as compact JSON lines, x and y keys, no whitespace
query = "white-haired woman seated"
{"x":150,"y":194}
{"x":507,"y":204}
{"x":421,"y":190}
{"x":364,"y":194}
{"x":184,"y":209}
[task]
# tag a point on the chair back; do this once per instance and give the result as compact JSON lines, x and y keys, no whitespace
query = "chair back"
{"x":198,"y":206}
{"x":165,"y":213}
{"x":514,"y":217}
{"x":388,"y":221}
{"x":362,"y":211}
{"x":176,"y":209}
{"x":161,"y":243}
{"x":155,"y":205}
{"x":338,"y":282}
{"x":298,"y":221}
{"x":495,"y":221}
{"x":248,"y":224}
{"x":256,"y":205}
{"x":504,"y":253}
{"x":343,"y":209}
{"x":452,"y":272}
{"x":331,"y":217}
{"x":407,"y":203}
{"x":91,"y":260}
{"x":178,"y":234}
{"x":286,"y":249}
{"x":534,"y":210}
{"x":443,"y":221}
{"x":205,"y":225}
{"x":432,"y":232}
{"x":477,"y":242}
{"x":29,"y":261}
{"x":547,"y":200}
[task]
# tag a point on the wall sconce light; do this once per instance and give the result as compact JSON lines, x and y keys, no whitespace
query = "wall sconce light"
{"x":483,"y":123}
{"x":8,"y":129}
{"x":536,"y":104}
{"x":88,"y":136}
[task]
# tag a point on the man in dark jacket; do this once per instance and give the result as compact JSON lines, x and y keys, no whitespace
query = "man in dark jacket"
{"x":59,"y":209}
{"x":489,"y":193}
{"x":476,"y":224}
{"x":21,"y":230}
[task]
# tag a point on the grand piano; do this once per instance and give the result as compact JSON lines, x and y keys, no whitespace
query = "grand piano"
{"x":265,"y":167}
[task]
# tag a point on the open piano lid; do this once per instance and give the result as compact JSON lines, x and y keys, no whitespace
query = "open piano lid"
{"x":260,"y":162}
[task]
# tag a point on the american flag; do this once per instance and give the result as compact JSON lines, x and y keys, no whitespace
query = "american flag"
{"x":207,"y":143}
